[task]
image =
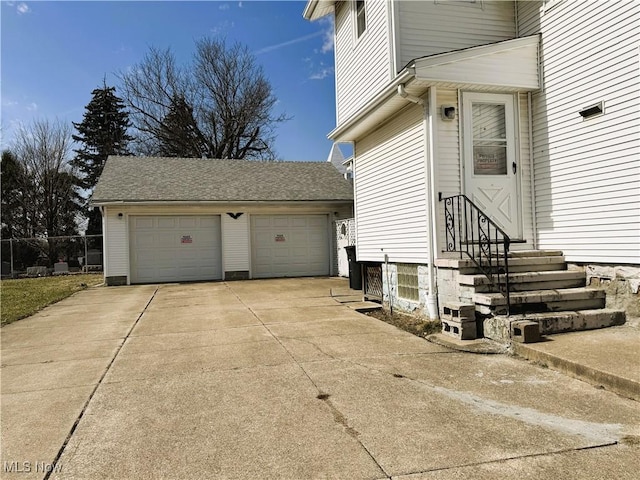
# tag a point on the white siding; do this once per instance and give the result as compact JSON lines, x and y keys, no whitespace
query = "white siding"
{"x":116,"y":243}
{"x":363,"y":66}
{"x":391,"y":208}
{"x":235,"y":243}
{"x":447,"y":157}
{"x":587,"y":172}
{"x":431,"y":27}
{"x":524,"y":167}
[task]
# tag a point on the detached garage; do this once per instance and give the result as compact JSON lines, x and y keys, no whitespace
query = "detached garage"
{"x":185,"y":219}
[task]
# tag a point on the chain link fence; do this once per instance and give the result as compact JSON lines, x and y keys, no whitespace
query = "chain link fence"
{"x":51,"y":255}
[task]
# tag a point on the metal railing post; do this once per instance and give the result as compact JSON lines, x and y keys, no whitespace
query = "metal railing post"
{"x":483,"y":257}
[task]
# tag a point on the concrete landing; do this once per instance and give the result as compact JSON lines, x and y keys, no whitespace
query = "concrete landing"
{"x":608,"y":358}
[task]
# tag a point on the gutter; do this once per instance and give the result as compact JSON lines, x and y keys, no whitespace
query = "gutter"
{"x":191,"y":203}
{"x":403,"y":78}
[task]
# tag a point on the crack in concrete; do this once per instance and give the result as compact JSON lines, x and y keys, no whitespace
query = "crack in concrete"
{"x":338,"y":416}
{"x":93,"y":392}
{"x":506,"y":459}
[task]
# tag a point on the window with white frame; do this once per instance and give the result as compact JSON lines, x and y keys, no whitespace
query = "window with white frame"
{"x":408,"y":282}
{"x":361,"y":18}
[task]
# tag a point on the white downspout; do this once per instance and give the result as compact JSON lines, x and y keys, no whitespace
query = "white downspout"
{"x":429,"y":110}
{"x":428,"y":107}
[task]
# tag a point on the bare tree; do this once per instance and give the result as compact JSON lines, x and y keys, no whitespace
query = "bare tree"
{"x":220,"y":106}
{"x":50,"y":184}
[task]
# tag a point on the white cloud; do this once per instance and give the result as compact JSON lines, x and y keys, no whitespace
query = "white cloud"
{"x":224,"y":6}
{"x":287,"y":43}
{"x":327,"y":44}
{"x":23,"y":8}
{"x":223,"y":28}
{"x":322,"y":73}
{"x":32,"y":107}
{"x":239,"y":4}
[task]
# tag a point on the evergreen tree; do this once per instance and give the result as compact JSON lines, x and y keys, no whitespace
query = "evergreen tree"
{"x":102,"y":132}
{"x":179,"y":135}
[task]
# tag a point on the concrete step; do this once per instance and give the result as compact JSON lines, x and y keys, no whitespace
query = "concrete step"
{"x":535,"y":253}
{"x":523,"y":281}
{"x":466,"y":266}
{"x":541,"y":301}
{"x":499,"y":327}
{"x":569,"y":321}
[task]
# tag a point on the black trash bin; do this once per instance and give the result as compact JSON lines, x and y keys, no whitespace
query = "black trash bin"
{"x":355,"y":271}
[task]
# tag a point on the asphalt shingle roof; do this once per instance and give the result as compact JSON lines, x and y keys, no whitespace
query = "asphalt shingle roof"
{"x":139,"y":179}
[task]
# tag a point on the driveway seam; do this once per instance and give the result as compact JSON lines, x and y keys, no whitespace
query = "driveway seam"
{"x":86,"y":404}
{"x":338,"y":416}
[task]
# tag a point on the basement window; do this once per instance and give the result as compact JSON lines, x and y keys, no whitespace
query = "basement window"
{"x":408,"y":282}
{"x":361,"y":18}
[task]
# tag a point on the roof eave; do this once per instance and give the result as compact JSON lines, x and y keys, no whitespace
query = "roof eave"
{"x":107,"y":203}
{"x":316,"y":9}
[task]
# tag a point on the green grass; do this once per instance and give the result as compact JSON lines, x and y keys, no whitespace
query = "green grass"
{"x":26,"y":296}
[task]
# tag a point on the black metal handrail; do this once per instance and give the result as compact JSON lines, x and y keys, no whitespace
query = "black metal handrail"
{"x":470,"y":231}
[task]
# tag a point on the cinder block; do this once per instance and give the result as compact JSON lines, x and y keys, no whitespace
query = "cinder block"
{"x":459,"y":311}
{"x":525,"y":331}
{"x":460,"y":330}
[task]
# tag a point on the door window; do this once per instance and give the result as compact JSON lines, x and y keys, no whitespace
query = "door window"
{"x":489,"y":139}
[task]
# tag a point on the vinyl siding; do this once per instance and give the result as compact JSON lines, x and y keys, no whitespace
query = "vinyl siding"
{"x":524,"y":166}
{"x":447,"y":157}
{"x":116,"y":243}
{"x":391,"y":208}
{"x":452,"y":25}
{"x":587,"y":172}
{"x":235,"y":243}
{"x":363,"y":66}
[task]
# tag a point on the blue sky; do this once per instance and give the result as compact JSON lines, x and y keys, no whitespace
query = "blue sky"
{"x":55,"y":53}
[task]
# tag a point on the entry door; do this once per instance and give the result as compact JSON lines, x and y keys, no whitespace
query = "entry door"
{"x":491,"y":168}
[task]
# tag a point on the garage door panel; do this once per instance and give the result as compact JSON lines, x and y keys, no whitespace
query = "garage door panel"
{"x":290,"y":245}
{"x":175,"y":248}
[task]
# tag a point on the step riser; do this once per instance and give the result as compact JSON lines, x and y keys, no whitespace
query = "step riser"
{"x":498,"y":328}
{"x":523,"y":287}
{"x":564,"y":324}
{"x":552,"y":267}
{"x":559,"y":306}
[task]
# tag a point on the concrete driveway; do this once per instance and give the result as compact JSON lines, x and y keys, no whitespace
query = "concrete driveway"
{"x":276,"y":379}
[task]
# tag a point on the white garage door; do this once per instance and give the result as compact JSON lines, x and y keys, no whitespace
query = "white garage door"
{"x":175,"y":248}
{"x":289,"y":245}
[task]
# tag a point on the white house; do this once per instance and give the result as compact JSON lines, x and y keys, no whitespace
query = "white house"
{"x":188,"y":219}
{"x":531,"y":109}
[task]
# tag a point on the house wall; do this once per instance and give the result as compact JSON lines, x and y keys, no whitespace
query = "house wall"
{"x":363,"y":65}
{"x":236,"y":248}
{"x":115,"y":246}
{"x":451,"y":26}
{"x":587,"y":172}
{"x":390,"y":190}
